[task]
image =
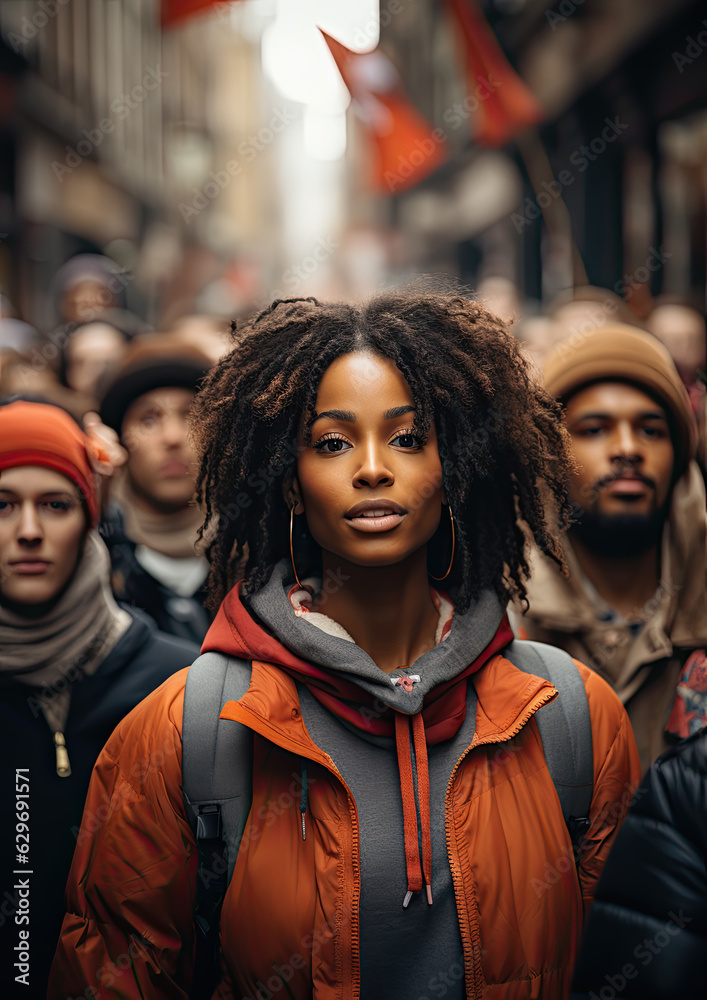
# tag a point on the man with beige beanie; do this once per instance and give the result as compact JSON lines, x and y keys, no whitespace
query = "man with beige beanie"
{"x":633,"y":607}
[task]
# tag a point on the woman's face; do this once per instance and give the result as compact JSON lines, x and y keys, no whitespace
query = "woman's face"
{"x":371,"y":490}
{"x":85,"y":300}
{"x":42,"y":527}
{"x":91,"y":350}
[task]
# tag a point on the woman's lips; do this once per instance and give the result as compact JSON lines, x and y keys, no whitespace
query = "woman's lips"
{"x":377,"y":519}
{"x":30,"y":566}
{"x":174,"y":469}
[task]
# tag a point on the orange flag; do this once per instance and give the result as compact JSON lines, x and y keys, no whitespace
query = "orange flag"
{"x":505,"y":104}
{"x":405,"y":146}
{"x":175,"y":11}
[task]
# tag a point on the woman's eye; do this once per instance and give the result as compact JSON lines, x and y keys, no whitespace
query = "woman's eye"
{"x":59,"y":505}
{"x":407,"y":440}
{"x":332,"y":445}
{"x":5,"y":507}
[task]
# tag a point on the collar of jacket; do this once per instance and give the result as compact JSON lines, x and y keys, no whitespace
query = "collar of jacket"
{"x":342,"y":676}
{"x":506,"y":699}
{"x":264,"y":627}
{"x":679,"y":617}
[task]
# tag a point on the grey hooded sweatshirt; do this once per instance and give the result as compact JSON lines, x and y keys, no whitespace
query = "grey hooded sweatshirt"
{"x":369,"y":765}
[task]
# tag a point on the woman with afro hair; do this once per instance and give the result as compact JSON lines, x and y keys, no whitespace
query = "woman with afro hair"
{"x":370,"y":475}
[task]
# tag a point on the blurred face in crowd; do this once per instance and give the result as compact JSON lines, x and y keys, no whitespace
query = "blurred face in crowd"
{"x":17,"y":377}
{"x":582,"y":316}
{"x":89,"y":352}
{"x":42,"y":528}
{"x":538,"y":335}
{"x":208,"y":334}
{"x":500,"y":296}
{"x":371,"y":489}
{"x":621,"y":441}
{"x":162,"y":462}
{"x":85,"y":300}
{"x":682,"y":331}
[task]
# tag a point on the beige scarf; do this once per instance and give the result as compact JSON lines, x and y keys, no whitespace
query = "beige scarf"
{"x":48,"y":654}
{"x":172,"y":534}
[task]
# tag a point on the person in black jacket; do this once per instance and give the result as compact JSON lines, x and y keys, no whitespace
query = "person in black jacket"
{"x":72,"y":664}
{"x":150,"y":524}
{"x":646,"y":938}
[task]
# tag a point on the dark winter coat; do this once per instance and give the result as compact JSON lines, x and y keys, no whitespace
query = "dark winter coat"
{"x":138,"y":663}
{"x":646,"y":938}
{"x":184,"y":617}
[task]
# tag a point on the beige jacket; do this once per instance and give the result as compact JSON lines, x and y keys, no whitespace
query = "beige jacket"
{"x":643,"y":669}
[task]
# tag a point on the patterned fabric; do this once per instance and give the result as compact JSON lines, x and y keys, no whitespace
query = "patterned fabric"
{"x":689,"y":713}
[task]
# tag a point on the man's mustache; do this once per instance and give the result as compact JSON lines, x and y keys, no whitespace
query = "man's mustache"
{"x":611,"y":477}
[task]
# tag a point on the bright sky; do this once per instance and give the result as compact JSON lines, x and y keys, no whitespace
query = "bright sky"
{"x":297,"y":60}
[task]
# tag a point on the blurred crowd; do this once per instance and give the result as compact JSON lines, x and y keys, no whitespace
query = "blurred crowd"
{"x":630,"y":373}
{"x":101,"y":358}
{"x":93,"y":332}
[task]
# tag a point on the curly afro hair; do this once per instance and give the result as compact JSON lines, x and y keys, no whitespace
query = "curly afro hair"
{"x":502,"y":443}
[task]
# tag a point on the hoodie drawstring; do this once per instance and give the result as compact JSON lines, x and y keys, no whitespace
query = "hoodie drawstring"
{"x":423,"y":792}
{"x":63,"y":767}
{"x":407,"y":789}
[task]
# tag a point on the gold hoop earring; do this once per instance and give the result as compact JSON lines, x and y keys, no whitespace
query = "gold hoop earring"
{"x":292,"y":550}
{"x":451,"y":560}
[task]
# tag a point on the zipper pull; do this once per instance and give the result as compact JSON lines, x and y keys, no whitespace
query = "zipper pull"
{"x":63,"y":767}
{"x":304,"y":777}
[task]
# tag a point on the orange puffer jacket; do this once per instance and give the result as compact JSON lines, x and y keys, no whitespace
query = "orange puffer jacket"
{"x":290,"y":916}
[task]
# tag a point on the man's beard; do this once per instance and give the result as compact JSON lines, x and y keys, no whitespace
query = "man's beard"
{"x":622,"y":536}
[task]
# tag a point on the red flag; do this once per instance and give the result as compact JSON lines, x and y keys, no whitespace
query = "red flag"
{"x":175,"y":11}
{"x":505,"y":104}
{"x":406,"y":147}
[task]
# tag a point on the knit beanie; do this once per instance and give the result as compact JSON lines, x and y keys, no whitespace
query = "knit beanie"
{"x":85,"y":267}
{"x":622,"y":353}
{"x":153,"y":361}
{"x":42,"y":434}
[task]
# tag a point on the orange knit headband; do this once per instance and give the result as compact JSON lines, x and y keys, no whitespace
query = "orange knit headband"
{"x":42,"y":434}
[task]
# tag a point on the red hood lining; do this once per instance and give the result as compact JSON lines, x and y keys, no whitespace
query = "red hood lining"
{"x":234,"y":631}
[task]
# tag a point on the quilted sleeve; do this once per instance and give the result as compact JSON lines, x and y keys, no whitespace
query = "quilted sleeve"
{"x":646,"y":936}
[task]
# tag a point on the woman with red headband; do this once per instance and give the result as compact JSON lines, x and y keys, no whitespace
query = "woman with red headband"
{"x":403,"y":835}
{"x":72,"y":664}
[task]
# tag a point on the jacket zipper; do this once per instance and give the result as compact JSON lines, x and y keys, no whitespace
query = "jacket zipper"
{"x":472,"y":966}
{"x":355,"y":896}
{"x":268,"y":732}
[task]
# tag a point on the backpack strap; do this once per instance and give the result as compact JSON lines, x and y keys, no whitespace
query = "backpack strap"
{"x":217,"y":795}
{"x":565,"y":730}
